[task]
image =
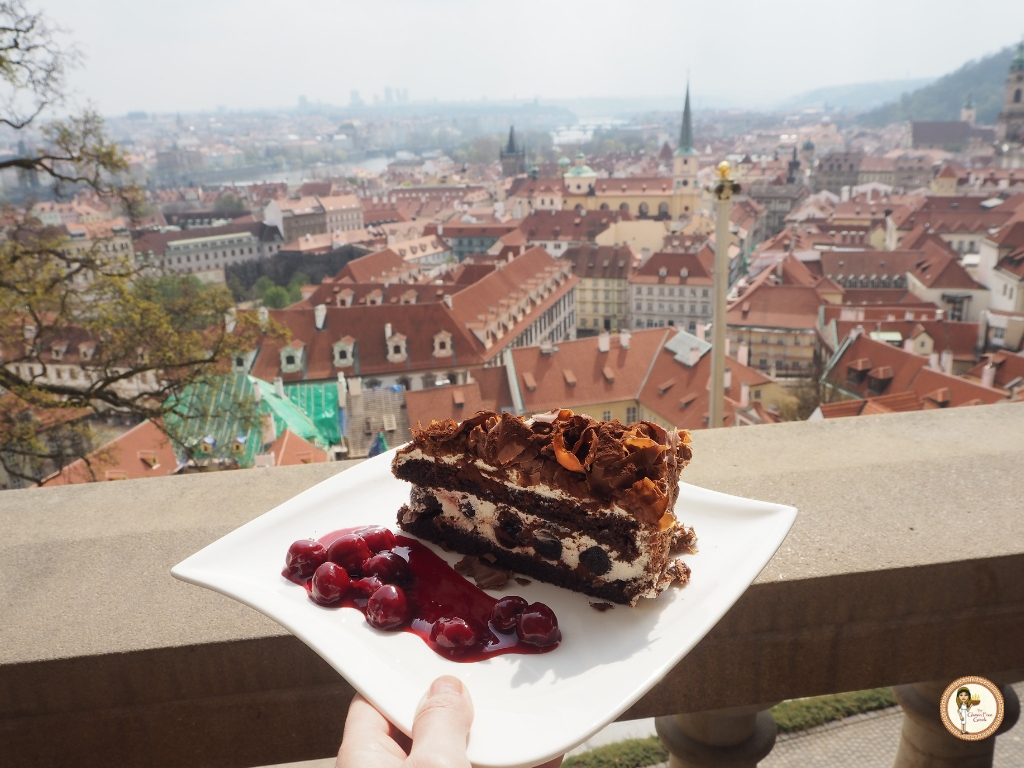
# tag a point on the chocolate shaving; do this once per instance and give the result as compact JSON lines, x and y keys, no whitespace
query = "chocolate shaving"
{"x":484,"y":575}
{"x":635,"y":465}
{"x":522,"y":582}
{"x":602,"y":607}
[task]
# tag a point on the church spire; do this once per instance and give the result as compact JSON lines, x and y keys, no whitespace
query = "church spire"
{"x":686,"y":132}
{"x":511,"y":140}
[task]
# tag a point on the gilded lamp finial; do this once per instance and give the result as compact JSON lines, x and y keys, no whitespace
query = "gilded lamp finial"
{"x":723,"y":170}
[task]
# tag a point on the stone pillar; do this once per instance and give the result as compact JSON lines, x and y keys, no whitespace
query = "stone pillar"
{"x":724,"y":738}
{"x":924,"y":740}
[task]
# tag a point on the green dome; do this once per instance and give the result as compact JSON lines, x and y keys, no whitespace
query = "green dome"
{"x":564,"y":162}
{"x":580,"y":155}
{"x":808,"y":144}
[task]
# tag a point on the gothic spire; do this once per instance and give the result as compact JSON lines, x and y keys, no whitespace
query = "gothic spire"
{"x":686,"y":132}
{"x":511,"y":140}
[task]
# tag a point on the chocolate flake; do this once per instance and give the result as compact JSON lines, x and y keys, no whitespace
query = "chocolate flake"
{"x":602,"y":607}
{"x":522,"y":582}
{"x":484,"y":575}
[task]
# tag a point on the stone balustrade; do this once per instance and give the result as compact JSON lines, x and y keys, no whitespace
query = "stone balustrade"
{"x":905,"y":567}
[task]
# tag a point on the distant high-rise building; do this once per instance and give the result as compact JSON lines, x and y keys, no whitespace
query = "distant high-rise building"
{"x":512,"y":156}
{"x":354,"y":100}
{"x":389,"y":95}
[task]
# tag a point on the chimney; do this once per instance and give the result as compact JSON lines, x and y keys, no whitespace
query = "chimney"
{"x":604,"y":341}
{"x":744,"y":394}
{"x":342,"y":390}
{"x":230,"y":320}
{"x":908,"y":345}
{"x":355,"y":387}
{"x":727,"y":378}
{"x":387,"y":331}
{"x":440,"y":229}
{"x":988,"y":376}
{"x":947,"y":361}
{"x":264,"y":315}
{"x":279,"y":387}
{"x":257,"y":393}
{"x":939,"y":313}
{"x":700,"y":331}
{"x":448,"y":300}
{"x":624,"y":338}
{"x":844,"y":193}
{"x":320,"y":315}
{"x":645,"y":254}
{"x":728,"y":345}
{"x":694,"y":356}
{"x":546,"y":347}
{"x":933,"y":361}
{"x":743,"y":354}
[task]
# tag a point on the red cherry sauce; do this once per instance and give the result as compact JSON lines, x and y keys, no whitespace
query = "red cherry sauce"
{"x":436,"y":591}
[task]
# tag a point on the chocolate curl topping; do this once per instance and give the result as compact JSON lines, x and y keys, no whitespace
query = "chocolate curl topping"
{"x":631,"y":463}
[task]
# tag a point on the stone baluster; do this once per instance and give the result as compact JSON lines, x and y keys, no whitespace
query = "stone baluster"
{"x":924,"y":740}
{"x":724,"y":738}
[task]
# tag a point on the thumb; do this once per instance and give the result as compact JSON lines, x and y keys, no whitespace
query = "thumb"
{"x":440,"y":730}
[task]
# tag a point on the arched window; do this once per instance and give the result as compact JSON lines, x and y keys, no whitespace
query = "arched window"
{"x":1016,"y":96}
{"x":604,"y":206}
{"x":643,"y":209}
{"x":663,"y":209}
{"x":624,"y":207}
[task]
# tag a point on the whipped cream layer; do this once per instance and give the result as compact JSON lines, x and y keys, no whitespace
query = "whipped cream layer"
{"x":484,"y":521}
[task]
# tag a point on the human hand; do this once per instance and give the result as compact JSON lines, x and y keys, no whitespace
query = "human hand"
{"x":440,"y":731}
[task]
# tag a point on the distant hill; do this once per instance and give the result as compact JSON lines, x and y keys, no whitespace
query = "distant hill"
{"x":856,"y":96}
{"x":942,"y":100}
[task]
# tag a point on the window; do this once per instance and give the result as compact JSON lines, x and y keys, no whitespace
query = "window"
{"x":630,"y":414}
{"x":289,"y":359}
{"x":639,"y":306}
{"x":639,"y":290}
{"x":704,"y":293}
{"x":650,"y":291}
{"x":1017,"y":96}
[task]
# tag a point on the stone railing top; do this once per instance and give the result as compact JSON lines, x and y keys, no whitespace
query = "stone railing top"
{"x":85,"y":570}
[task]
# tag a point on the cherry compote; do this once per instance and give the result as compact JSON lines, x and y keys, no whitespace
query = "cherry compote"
{"x":304,"y":557}
{"x":329,"y":584}
{"x":400,"y":584}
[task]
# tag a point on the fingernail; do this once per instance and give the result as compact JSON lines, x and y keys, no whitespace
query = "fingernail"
{"x":445,"y":685}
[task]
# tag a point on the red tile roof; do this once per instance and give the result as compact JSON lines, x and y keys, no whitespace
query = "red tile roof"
{"x":290,"y":449}
{"x":793,"y":307}
{"x":674,"y":265}
{"x":601,"y":261}
{"x":570,"y":225}
{"x":480,"y":311}
{"x":142,"y":451}
{"x":488,"y":391}
{"x":937,"y":269}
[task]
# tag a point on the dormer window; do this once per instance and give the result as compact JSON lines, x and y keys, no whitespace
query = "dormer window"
{"x":344,"y":352}
{"x":397,"y":351}
{"x":58,"y":351}
{"x":443,"y":344}
{"x":85,"y":351}
{"x":291,"y":357}
{"x":241,"y":362}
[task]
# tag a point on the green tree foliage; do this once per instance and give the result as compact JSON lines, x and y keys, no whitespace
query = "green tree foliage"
{"x":82,"y":329}
{"x":276,"y":297}
{"x":983,"y":80}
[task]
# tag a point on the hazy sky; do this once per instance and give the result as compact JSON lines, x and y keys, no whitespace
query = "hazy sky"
{"x":200,"y":54}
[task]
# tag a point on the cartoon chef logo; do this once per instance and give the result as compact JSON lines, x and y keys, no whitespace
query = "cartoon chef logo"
{"x":972,"y":708}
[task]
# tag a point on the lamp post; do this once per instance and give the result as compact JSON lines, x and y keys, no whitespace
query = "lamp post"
{"x":723,"y":191}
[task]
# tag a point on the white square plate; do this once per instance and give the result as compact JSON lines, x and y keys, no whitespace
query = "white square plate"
{"x":529,"y":708}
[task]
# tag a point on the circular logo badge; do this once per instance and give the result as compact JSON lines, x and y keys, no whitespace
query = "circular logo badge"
{"x":972,"y":708}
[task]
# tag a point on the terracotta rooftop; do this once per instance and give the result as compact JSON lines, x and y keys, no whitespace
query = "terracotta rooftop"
{"x":290,"y":449}
{"x":488,"y":391}
{"x":672,"y":268}
{"x":142,"y":451}
{"x":601,"y":261}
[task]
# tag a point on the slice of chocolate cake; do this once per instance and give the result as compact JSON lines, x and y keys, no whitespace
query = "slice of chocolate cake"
{"x":580,"y":503}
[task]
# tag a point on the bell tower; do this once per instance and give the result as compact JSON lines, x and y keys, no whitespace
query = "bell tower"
{"x":685,"y":164}
{"x":1010,"y":126}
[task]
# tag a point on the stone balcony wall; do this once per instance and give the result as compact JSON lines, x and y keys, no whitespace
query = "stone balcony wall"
{"x":910,"y":529}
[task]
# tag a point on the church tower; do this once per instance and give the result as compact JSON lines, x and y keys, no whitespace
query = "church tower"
{"x":685,"y":164}
{"x":968,"y":113}
{"x":1010,"y":127}
{"x":513,"y":157}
